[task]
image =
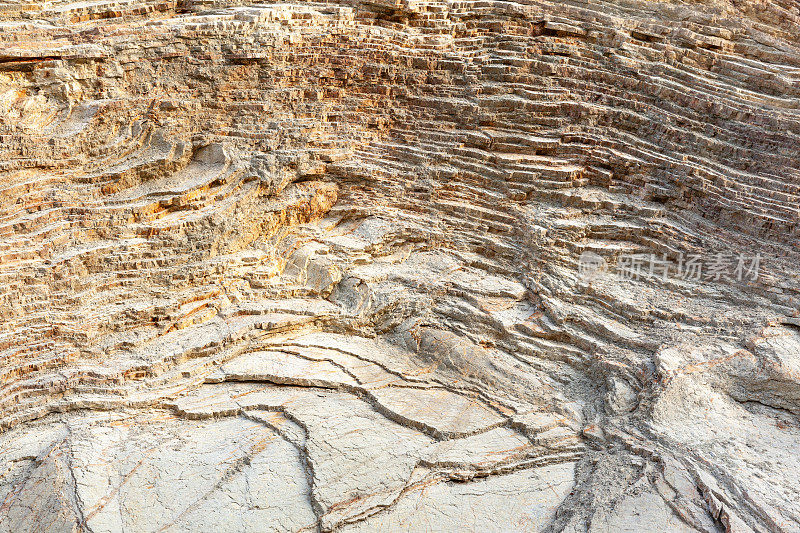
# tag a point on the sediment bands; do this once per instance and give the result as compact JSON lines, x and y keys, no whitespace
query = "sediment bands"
{"x":323,"y":267}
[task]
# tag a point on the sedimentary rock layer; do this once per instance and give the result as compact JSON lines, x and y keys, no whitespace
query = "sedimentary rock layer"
{"x":320,"y":267}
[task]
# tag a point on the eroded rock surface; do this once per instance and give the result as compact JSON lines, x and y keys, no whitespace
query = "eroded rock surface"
{"x":317,"y":267}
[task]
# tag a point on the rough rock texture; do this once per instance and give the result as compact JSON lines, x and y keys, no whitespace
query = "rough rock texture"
{"x":303,"y":266}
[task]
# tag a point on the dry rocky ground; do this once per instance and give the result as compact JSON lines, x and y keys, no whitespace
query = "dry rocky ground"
{"x":317,"y":266}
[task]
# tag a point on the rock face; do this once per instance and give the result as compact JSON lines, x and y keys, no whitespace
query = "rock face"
{"x":361,"y":266}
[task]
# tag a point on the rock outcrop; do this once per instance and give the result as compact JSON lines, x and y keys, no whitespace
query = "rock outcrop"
{"x":400,"y":266}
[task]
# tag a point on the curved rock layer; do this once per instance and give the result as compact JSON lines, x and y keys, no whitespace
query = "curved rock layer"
{"x":317,"y":267}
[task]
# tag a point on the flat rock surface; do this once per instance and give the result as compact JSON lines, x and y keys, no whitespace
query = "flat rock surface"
{"x":399,"y":266}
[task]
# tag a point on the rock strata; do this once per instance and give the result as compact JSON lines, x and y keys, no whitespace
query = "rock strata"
{"x":400,"y":266}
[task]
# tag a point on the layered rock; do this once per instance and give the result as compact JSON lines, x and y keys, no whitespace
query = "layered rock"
{"x":307,"y":266}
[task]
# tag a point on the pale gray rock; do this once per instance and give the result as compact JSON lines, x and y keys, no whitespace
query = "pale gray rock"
{"x":399,"y":266}
{"x":520,"y":501}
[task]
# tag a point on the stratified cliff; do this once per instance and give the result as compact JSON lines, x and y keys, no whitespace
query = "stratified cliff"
{"x":461,"y":265}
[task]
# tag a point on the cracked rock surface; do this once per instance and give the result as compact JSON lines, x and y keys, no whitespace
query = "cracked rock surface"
{"x":318,"y":266}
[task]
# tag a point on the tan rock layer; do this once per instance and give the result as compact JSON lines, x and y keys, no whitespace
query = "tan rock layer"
{"x":306,"y":266}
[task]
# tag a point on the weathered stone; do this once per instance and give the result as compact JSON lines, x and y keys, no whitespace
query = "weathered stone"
{"x":399,"y":266}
